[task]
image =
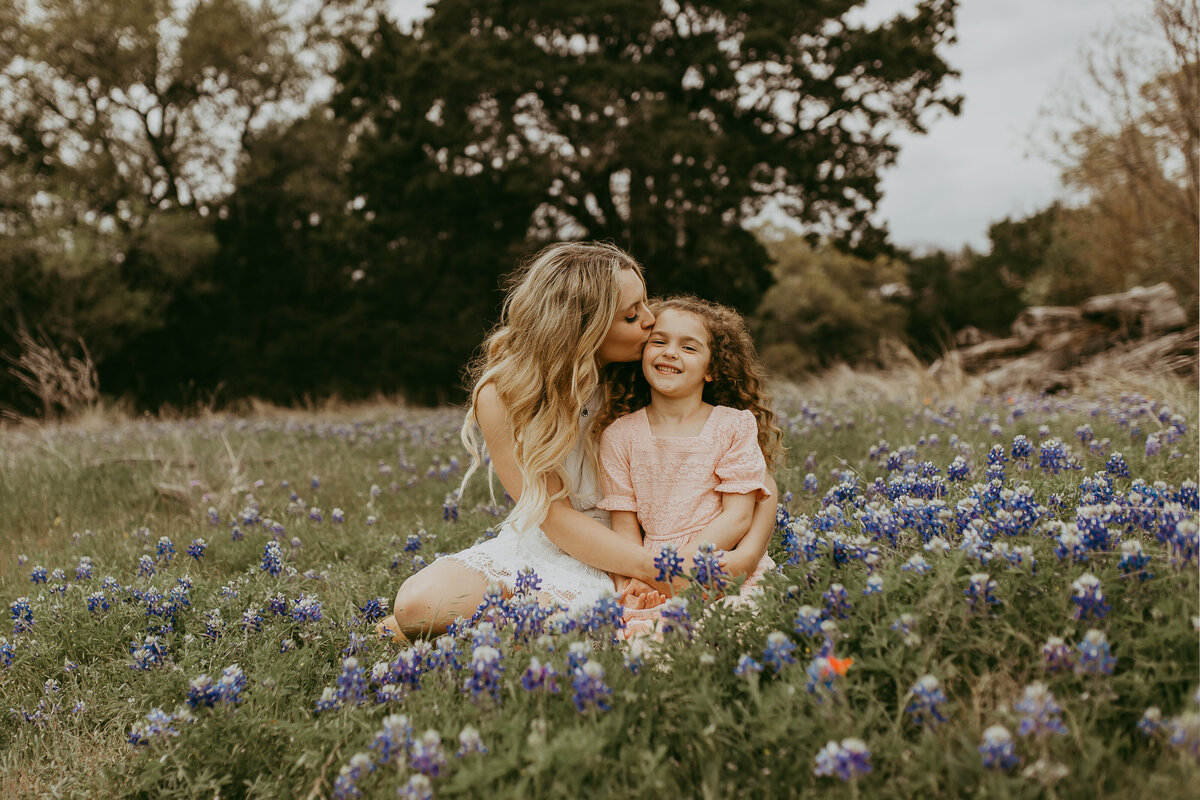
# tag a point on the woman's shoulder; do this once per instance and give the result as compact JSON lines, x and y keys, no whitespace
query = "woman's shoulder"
{"x":490,"y":409}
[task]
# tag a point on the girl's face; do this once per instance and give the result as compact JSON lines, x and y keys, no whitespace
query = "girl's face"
{"x":675,"y":361}
{"x":630,"y":327}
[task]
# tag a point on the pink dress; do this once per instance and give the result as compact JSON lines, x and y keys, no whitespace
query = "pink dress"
{"x":675,"y":483}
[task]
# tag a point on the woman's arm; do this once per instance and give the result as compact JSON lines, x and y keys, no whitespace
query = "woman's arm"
{"x":744,"y":558}
{"x":575,"y":532}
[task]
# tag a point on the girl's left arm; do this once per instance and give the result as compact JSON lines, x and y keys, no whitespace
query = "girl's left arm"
{"x":744,"y":558}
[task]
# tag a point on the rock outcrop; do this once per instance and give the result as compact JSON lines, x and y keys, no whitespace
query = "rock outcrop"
{"x":1051,"y":347}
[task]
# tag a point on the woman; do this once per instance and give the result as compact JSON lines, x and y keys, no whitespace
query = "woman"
{"x":571,"y":311}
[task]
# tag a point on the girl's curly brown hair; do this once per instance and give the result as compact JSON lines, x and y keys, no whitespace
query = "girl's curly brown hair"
{"x":738,"y":379}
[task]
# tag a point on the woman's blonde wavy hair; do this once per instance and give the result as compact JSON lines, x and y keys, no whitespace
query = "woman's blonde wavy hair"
{"x":738,"y":379}
{"x":542,"y":358}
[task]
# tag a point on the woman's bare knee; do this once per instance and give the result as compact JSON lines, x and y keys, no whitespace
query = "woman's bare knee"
{"x":437,"y":595}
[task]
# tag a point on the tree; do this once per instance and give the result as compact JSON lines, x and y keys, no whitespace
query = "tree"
{"x":663,"y":126}
{"x":826,"y":306}
{"x":1128,"y":142}
{"x":122,"y":123}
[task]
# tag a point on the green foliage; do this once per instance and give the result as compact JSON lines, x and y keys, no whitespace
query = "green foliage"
{"x":825,"y":306}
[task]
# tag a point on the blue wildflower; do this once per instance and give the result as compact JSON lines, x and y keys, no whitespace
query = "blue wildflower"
{"x":998,"y":750}
{"x":669,"y":563}
{"x":306,"y":608}
{"x":145,"y":566}
{"x":1088,"y":598}
{"x":1095,"y":655}
{"x":836,"y":601}
{"x":709,"y":572}
{"x":847,"y":760}
{"x":808,"y":621}
{"x":1052,"y":456}
{"x":591,"y":692}
{"x":418,"y":787}
{"x":1040,"y":712}
{"x":540,"y":676}
{"x":426,"y":755}
{"x":1116,"y":466}
{"x":778,"y":652}
{"x":925,"y":708}
{"x":747,"y":666}
{"x":272,"y":559}
{"x":393,"y":740}
{"x":22,"y":615}
{"x":485,"y":673}
{"x":345,"y":787}
{"x":676,"y":619}
{"x":351,"y":683}
{"x":1151,"y":721}
{"x":83,"y":570}
{"x":979,"y":591}
{"x":469,"y":742}
{"x":1056,"y":656}
{"x":164,"y":550}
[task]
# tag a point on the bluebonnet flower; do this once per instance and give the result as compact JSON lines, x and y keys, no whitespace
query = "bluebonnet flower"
{"x":1068,"y":544}
{"x":1153,"y":445}
{"x":315,"y":515}
{"x":1183,"y":541}
{"x":904,"y":626}
{"x":22,"y":615}
{"x":345,"y":787}
{"x":1091,"y":523}
{"x":7,"y":653}
{"x":145,"y":566}
{"x":1056,"y":656}
{"x":778,"y":652}
{"x":1040,"y":712}
{"x":375,"y":608}
{"x":393,"y":740}
{"x":591,"y":692}
{"x":925,"y":708}
{"x":351,"y":682}
{"x":418,"y":787}
{"x":676,"y":620}
{"x":418,"y":564}
{"x":196,"y":548}
{"x":937,"y":546}
{"x":355,"y":644}
{"x":469,"y":742}
{"x":278,"y":604}
{"x":708,"y":569}
{"x":1095,"y":655}
{"x":450,"y":508}
{"x":669,"y":563}
{"x":847,"y":760}
{"x":528,"y":581}
{"x":147,"y":654}
{"x":998,"y":749}
{"x":540,"y":676}
{"x":577,"y":655}
{"x":1116,"y":466}
{"x":1188,"y":495}
{"x":996,"y":456}
{"x":747,"y":666}
{"x":338,"y":515}
{"x":1052,"y":456}
{"x":214,"y":626}
{"x":1084,"y":434}
{"x":426,"y":755}
{"x":252,"y":620}
{"x":328,"y":701}
{"x":958,"y":471}
{"x":58,"y":581}
{"x":810,"y":483}
{"x":97,"y":602}
{"x":235,"y":534}
{"x":306,"y":608}
{"x":202,"y":693}
{"x":83,"y":570}
{"x":979,"y":591}
{"x":287,"y":645}
{"x":485,"y":673}
{"x":272,"y":558}
{"x":808,"y":621}
{"x":836,"y":601}
{"x":230,"y":685}
{"x":874,"y":585}
{"x":1151,"y":721}
{"x":164,"y":550}
{"x":214,"y":518}
{"x":917,"y":564}
{"x":1088,"y":598}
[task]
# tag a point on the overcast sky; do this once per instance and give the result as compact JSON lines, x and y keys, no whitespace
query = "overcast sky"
{"x":975,"y":169}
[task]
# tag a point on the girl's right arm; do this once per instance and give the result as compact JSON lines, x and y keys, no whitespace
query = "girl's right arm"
{"x":576,"y":533}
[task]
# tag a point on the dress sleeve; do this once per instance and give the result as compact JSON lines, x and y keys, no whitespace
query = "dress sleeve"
{"x":742,"y":468}
{"x":616,"y":446}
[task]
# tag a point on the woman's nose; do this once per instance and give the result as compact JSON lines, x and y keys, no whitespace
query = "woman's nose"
{"x":648,"y":319}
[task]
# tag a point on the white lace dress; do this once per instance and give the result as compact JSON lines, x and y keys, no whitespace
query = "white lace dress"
{"x":564,"y":578}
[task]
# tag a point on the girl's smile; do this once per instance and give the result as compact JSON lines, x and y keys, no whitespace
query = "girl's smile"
{"x":675,"y":361}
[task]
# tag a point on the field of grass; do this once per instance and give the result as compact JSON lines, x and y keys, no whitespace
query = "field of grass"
{"x":181,"y":597}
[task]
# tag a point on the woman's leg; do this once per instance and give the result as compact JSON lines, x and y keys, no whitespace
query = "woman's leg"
{"x":434,"y":597}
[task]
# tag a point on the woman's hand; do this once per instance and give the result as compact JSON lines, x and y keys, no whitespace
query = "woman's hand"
{"x":638,"y":594}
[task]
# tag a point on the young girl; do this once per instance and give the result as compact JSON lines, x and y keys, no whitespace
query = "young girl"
{"x":690,"y":465}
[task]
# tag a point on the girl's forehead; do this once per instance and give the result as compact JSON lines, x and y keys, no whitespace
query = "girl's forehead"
{"x":682,"y":323}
